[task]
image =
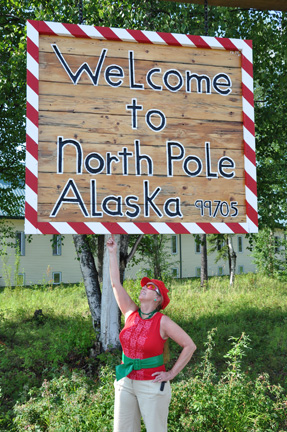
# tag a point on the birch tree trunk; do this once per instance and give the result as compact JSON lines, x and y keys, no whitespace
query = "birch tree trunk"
{"x":233,"y":256}
{"x":204,"y":270}
{"x":100,"y":254}
{"x":110,"y":326}
{"x":90,"y":276}
{"x":123,"y":257}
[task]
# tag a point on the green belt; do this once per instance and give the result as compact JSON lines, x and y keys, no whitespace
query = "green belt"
{"x":137,"y":364}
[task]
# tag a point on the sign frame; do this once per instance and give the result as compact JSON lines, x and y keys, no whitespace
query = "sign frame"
{"x":33,"y":226}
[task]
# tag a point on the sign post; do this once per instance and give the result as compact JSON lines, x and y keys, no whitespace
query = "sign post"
{"x":138,"y":132}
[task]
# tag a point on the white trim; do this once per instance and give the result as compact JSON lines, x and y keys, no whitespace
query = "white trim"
{"x":130,"y":227}
{"x":123,"y":34}
{"x":32,"y":98}
{"x":63,"y":227}
{"x":183,"y":40}
{"x":250,"y":168}
{"x":249,"y":138}
{"x":32,"y":66}
{"x":58,"y":28}
{"x":162,"y":228}
{"x":248,"y":109}
{"x":247,"y":80}
{"x":251,"y":198}
{"x":32,"y":34}
{"x":32,"y":130}
{"x":154,"y":37}
{"x":31,"y":198}
{"x":97,"y":227}
{"x":91,"y":31}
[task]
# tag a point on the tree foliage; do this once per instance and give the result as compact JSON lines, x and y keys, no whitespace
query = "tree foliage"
{"x":267,"y":29}
{"x":269,"y":253}
{"x":153,"y":252}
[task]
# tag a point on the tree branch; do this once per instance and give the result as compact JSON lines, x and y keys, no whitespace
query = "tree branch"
{"x":134,"y":248}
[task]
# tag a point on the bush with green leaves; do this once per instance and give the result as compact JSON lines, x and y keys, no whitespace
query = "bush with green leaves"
{"x":205,"y":402}
{"x":71,"y":402}
{"x":269,"y":253}
{"x":229,"y":403}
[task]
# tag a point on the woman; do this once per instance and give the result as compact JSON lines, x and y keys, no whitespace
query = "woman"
{"x":142,"y":388}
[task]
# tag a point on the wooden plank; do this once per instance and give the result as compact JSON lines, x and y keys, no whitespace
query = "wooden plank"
{"x":190,"y":189}
{"x":147,"y":52}
{"x":84,"y":99}
{"x":101,"y":123}
{"x":52,"y":70}
{"x":280,"y":5}
{"x":190,"y":132}
{"x":197,"y":109}
{"x":88,"y":98}
{"x":71,"y":213}
{"x":48,"y":158}
{"x":57,"y":75}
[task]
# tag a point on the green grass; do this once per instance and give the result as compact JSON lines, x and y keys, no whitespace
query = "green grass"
{"x":57,"y":343}
{"x":255,"y":305}
{"x":36,"y":348}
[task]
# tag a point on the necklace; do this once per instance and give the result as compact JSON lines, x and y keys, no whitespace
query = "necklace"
{"x":149,"y":315}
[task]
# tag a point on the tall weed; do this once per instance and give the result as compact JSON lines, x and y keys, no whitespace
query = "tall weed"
{"x":202,"y":403}
{"x":57,"y":343}
{"x":230,"y":403}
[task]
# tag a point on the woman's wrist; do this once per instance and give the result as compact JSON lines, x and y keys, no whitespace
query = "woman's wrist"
{"x":171,"y":375}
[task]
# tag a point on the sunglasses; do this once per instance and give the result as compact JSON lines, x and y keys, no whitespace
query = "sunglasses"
{"x":153,"y":288}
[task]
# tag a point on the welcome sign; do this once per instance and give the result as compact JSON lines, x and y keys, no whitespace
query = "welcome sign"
{"x":138,"y":132}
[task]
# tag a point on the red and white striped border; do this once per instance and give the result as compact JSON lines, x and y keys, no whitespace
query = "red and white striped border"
{"x":32,"y":226}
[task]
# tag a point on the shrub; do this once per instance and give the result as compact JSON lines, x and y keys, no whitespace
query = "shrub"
{"x":229,"y":403}
{"x":203,"y":403}
{"x":68,"y":403}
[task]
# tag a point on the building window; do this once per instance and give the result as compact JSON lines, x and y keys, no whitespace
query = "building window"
{"x":197,"y":247}
{"x":57,"y":277}
{"x":198,"y":271}
{"x":240,"y":269}
{"x":240,"y":243}
{"x":174,"y":272}
{"x":20,"y":242}
{"x":276,"y":244}
{"x":174,"y":244}
{"x":220,"y":244}
{"x":220,"y":271}
{"x":57,"y":245}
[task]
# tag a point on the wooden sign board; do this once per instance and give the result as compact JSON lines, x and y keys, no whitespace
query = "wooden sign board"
{"x":138,"y":132}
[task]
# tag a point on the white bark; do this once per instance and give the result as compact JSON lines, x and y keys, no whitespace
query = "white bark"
{"x":204,"y":269}
{"x":110,"y":327}
{"x":233,"y":257}
{"x":90,"y":277}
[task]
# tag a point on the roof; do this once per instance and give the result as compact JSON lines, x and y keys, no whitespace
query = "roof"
{"x":12,"y":201}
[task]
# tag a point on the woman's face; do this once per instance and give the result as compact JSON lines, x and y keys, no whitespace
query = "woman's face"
{"x":150,"y":291}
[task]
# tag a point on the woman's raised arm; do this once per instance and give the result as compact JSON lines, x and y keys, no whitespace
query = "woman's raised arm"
{"x":125,"y":303}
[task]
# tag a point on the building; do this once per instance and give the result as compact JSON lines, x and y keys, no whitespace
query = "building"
{"x":51,"y":259}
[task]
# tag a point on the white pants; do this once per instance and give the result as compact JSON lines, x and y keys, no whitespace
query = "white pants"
{"x":135,"y":399}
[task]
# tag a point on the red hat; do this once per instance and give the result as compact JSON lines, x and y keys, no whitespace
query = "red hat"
{"x":161,"y":286}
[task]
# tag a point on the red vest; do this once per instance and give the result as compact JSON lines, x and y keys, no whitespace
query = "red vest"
{"x":141,"y":339}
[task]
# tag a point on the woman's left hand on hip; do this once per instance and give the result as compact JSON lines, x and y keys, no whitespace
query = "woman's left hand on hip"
{"x":162,"y":376}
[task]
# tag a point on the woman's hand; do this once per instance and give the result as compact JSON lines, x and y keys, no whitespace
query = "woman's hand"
{"x":162,"y":376}
{"x":111,"y":244}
